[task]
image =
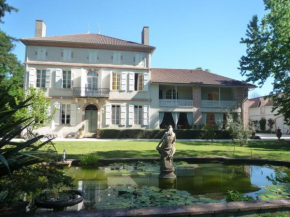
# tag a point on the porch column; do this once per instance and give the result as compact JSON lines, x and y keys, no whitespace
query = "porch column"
{"x":175,"y":95}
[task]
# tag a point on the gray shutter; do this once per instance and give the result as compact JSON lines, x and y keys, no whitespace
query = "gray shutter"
{"x":145,"y":115}
{"x":108,"y":114}
{"x":124,"y":81}
{"x":32,"y":77}
{"x":58,"y":78}
{"x":57,"y":113}
{"x":131,"y":114}
{"x":83,"y":82}
{"x":73,"y":114}
{"x":48,"y":78}
{"x":123,"y":114}
{"x":146,"y":81}
{"x":131,"y":81}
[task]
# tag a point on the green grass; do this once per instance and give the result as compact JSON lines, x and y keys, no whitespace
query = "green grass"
{"x":134,"y":149}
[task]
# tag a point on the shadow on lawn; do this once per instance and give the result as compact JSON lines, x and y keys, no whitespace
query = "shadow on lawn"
{"x":273,"y":145}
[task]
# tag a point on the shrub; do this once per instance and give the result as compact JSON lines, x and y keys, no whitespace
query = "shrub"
{"x":237,"y":196}
{"x":89,"y":159}
{"x":157,"y":134}
{"x":270,"y":123}
{"x":262,"y":123}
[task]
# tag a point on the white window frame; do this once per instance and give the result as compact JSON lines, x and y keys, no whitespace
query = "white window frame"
{"x":118,"y":81}
{"x":40,"y":79}
{"x":66,"y":83}
{"x":138,"y":79}
{"x":171,"y":94}
{"x":116,"y":114}
{"x":66,"y":120}
{"x":138,"y":114}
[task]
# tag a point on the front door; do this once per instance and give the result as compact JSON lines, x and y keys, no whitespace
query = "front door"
{"x":91,"y":117}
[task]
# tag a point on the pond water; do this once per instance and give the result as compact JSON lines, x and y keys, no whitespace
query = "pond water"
{"x":137,"y":184}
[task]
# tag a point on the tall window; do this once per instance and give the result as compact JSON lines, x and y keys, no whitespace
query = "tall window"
{"x":40,"y":80}
{"x":116,"y":85}
{"x":115,"y":114}
{"x":65,"y":114}
{"x":171,"y":94}
{"x":92,"y":80}
{"x":139,"y":82}
{"x":213,"y":96}
{"x":138,"y":117}
{"x":66,"y":82}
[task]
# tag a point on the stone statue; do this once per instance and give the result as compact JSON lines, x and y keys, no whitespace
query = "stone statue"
{"x":166,"y":152}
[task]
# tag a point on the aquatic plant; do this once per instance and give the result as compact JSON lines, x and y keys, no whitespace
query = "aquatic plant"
{"x":89,"y":159}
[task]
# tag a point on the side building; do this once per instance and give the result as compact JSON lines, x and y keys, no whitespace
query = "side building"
{"x":97,"y":81}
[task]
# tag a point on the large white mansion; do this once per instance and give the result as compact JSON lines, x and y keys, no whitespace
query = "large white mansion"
{"x":98,"y":81}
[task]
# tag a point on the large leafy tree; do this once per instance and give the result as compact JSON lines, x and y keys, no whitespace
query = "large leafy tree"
{"x":268,"y":53}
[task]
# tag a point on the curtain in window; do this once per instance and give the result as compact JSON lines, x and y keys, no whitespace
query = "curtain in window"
{"x":218,"y":120}
{"x":161,"y":116}
{"x":203,"y":118}
{"x":189,"y":118}
{"x":175,"y":116}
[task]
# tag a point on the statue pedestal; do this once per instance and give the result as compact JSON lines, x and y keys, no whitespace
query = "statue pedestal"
{"x":167,"y":174}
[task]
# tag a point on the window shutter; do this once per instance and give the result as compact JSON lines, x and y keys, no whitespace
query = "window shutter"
{"x":146,"y":81}
{"x":72,"y":79}
{"x":108,"y":114}
{"x":43,"y":52}
{"x":131,"y":114}
{"x":73,"y":114}
{"x":124,"y":81}
{"x":58,"y":78}
{"x":123,"y":114}
{"x":48,"y":78}
{"x":145,"y":115}
{"x":131,"y":81}
{"x":57,"y":113}
{"x":32,"y":77}
{"x":83,"y":82}
{"x":111,"y":80}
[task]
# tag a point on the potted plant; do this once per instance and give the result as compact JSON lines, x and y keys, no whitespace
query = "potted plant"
{"x":98,"y":134}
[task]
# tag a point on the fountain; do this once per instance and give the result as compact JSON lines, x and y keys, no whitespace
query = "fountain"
{"x":166,"y":151}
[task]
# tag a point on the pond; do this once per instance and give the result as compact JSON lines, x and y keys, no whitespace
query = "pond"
{"x":137,"y":185}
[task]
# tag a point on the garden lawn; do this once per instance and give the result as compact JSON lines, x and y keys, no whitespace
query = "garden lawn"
{"x":142,"y":149}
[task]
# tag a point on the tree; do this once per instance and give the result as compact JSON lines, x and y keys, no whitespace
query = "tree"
{"x":270,"y":123}
{"x":268,"y":53}
{"x":262,"y":123}
{"x":200,"y":68}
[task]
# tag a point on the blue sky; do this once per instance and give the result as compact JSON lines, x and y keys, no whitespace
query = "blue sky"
{"x":186,"y":33}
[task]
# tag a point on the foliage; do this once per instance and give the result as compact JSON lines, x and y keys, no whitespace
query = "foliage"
{"x":31,"y":181}
{"x":270,"y":123}
{"x":89,"y":159}
{"x":237,"y":129}
{"x":137,"y":197}
{"x":39,"y":108}
{"x":262,"y":123}
{"x":275,"y":191}
{"x":268,"y":53}
{"x":237,"y":196}
{"x":157,"y":134}
{"x":15,"y":155}
{"x":210,"y":132}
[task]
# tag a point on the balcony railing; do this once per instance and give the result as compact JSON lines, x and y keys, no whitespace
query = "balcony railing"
{"x":90,"y":92}
{"x":218,"y":104}
{"x":175,"y":103}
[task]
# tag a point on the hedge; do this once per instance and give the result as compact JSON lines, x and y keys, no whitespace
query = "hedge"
{"x":157,"y":134}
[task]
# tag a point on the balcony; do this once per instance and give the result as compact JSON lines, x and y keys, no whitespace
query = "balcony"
{"x":175,"y":103}
{"x":91,"y":92}
{"x":218,"y":104}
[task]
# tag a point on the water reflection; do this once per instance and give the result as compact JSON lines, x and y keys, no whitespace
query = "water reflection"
{"x":210,"y":180}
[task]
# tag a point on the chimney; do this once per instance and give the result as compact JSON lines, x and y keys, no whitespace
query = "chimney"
{"x":145,"y":35}
{"x":40,"y":28}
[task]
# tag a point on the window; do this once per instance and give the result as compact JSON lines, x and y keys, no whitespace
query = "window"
{"x":116,"y":85}
{"x":116,"y":114}
{"x":92,"y":80}
{"x":40,"y":80}
{"x":213,"y":96}
{"x":65,"y":114}
{"x":66,"y":81}
{"x":139,"y":82}
{"x":171,"y":94}
{"x":138,"y":117}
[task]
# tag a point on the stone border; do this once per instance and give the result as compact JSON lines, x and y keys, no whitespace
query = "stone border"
{"x":211,"y":209}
